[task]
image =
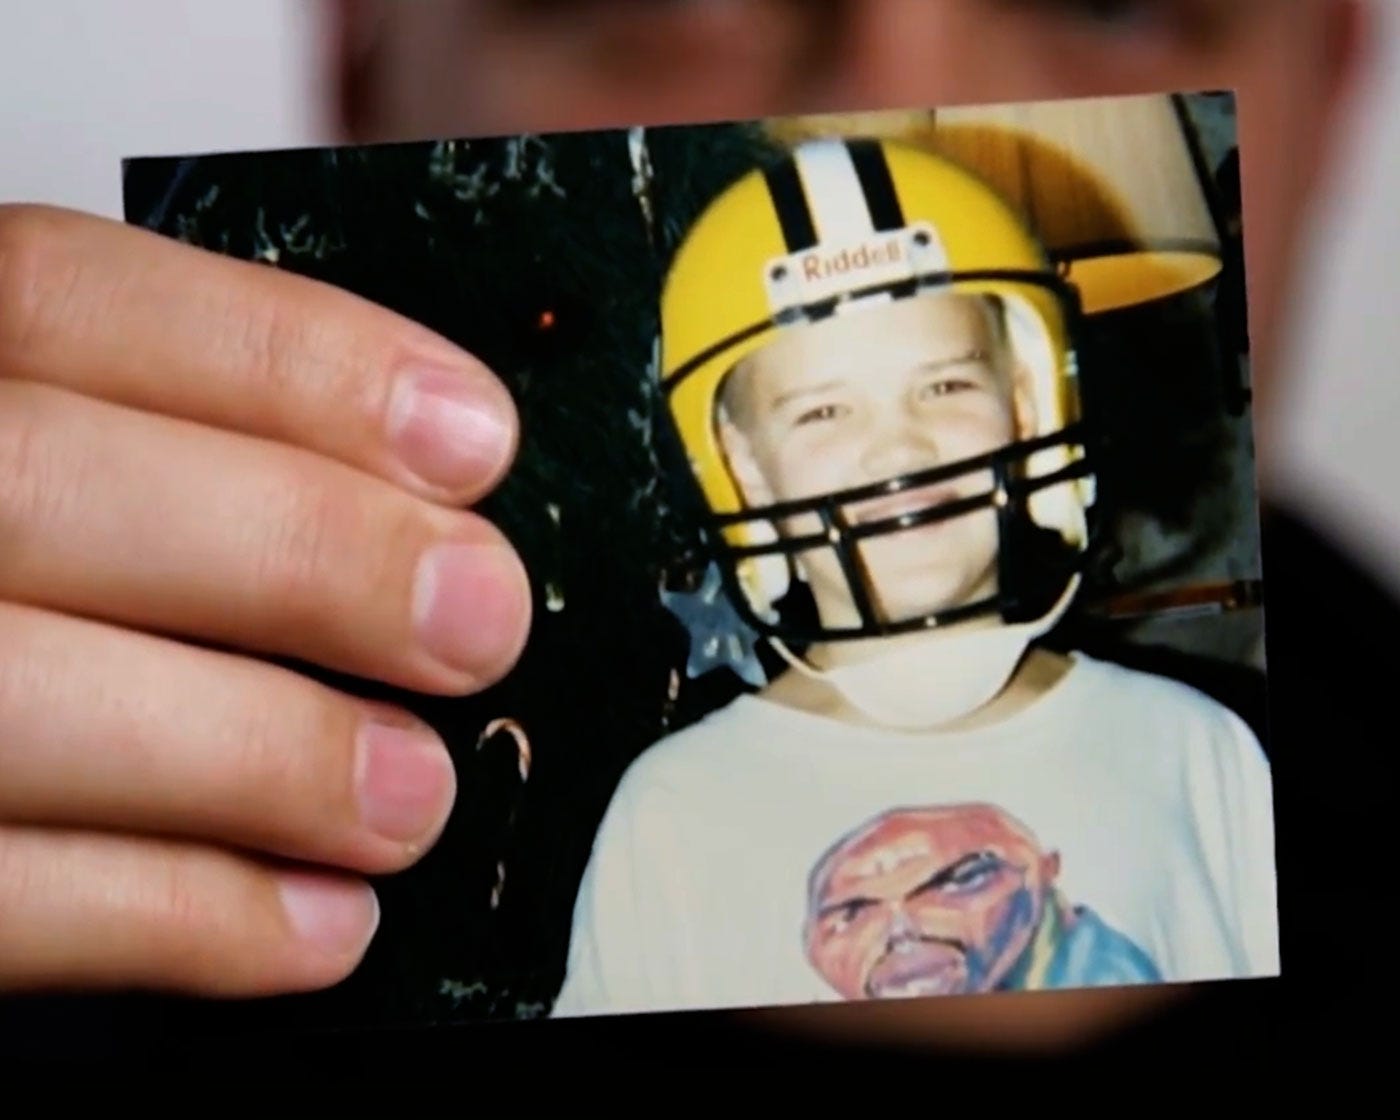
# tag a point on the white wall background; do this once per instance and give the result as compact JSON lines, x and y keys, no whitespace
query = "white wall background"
{"x":1341,"y":427}
{"x":85,"y":83}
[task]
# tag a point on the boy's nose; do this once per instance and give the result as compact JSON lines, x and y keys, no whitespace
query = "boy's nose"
{"x":897,"y":443}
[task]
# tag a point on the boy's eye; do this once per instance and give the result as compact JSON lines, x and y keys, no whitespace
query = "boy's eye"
{"x":946,"y":385}
{"x":820,"y":413}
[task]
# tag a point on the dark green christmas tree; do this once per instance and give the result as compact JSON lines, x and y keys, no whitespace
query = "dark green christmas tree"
{"x":541,"y":255}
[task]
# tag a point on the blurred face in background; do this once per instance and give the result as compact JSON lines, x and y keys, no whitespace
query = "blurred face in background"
{"x":431,"y":68}
{"x":434,"y":68}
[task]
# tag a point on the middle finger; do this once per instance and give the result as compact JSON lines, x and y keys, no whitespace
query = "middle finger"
{"x":166,"y":525}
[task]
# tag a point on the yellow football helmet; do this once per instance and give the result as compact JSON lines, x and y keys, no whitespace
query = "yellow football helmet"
{"x":834,"y":227}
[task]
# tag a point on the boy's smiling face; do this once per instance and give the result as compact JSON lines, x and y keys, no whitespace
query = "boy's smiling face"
{"x":862,"y":398}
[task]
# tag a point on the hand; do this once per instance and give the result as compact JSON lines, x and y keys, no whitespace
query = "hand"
{"x":205,"y":463}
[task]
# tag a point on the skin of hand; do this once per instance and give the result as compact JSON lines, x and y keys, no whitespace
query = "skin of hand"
{"x":204,"y":463}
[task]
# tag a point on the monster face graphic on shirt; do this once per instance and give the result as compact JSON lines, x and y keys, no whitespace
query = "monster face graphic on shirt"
{"x":950,"y":900}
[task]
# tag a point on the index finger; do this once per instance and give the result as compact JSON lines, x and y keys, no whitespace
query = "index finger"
{"x":125,"y":315}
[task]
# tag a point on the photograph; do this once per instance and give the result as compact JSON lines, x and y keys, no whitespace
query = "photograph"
{"x":887,"y":487}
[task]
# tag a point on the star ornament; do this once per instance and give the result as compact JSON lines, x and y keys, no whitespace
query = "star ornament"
{"x":719,"y":638}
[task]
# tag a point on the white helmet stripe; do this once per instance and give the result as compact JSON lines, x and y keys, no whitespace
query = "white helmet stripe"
{"x":834,"y":195}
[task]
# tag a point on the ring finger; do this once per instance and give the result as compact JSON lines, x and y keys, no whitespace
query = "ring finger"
{"x":107,"y":729}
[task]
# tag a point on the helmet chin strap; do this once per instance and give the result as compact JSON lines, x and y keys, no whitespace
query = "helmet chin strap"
{"x":922,"y":686}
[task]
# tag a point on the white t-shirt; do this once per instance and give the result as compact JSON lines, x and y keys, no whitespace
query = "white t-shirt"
{"x":1118,"y":830}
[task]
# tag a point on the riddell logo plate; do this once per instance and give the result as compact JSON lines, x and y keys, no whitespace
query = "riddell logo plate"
{"x":835,"y":271}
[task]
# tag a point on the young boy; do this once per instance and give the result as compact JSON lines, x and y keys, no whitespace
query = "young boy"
{"x":871,"y":370}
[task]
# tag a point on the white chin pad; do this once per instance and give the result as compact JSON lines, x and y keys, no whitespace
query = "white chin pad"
{"x":930,"y":683}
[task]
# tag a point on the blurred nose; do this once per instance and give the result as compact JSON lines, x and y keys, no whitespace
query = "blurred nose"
{"x":903,"y":54}
{"x":917,"y":53}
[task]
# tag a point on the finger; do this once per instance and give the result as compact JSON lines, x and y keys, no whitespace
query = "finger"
{"x":108,"y":729}
{"x":85,"y":911}
{"x":121,"y":314}
{"x":164,"y":525}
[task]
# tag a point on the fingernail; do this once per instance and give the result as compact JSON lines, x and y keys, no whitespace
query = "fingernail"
{"x":406,"y":782}
{"x":471,"y":603}
{"x":335,"y":916}
{"x":449,"y":428}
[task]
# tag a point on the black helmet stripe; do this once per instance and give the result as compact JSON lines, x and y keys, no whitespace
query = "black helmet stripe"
{"x":876,"y":184}
{"x":789,"y":188}
{"x":790,"y":204}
